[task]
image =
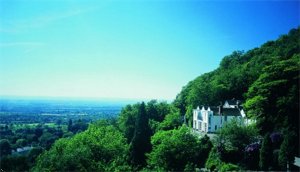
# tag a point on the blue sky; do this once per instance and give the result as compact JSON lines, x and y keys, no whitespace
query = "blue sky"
{"x":127,"y":49}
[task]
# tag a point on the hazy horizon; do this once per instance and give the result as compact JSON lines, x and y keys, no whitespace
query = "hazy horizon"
{"x":80,"y":99}
{"x":127,"y":49}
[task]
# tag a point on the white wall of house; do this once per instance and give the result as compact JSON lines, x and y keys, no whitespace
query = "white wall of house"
{"x":206,"y":121}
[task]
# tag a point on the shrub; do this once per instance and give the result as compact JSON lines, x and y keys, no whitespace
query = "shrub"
{"x":213,"y":162}
{"x":229,"y":167}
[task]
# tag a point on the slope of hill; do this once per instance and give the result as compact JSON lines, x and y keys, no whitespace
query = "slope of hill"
{"x":238,"y":72}
{"x":267,"y":80}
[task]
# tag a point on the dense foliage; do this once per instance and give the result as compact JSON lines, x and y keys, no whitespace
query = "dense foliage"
{"x":173,"y":150}
{"x":100,"y":148}
{"x":143,"y":138}
{"x":234,"y":144}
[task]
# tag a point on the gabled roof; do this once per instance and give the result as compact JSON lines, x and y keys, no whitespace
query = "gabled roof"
{"x":225,"y":111}
{"x":204,"y":107}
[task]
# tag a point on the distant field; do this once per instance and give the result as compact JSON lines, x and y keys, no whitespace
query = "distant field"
{"x":33,"y":112}
{"x":15,"y":127}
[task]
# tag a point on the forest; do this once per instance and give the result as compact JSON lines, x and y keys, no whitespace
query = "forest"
{"x":157,"y":136}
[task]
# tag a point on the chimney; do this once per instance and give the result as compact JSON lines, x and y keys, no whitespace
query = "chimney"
{"x":220,"y":108}
{"x":221,"y":112}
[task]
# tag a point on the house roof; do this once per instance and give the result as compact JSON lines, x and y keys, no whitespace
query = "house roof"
{"x":233,"y":102}
{"x":231,"y":112}
{"x":225,"y":111}
{"x":215,"y":110}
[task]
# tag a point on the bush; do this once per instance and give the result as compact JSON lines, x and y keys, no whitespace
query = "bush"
{"x":174,"y":149}
{"x":213,"y":162}
{"x":229,"y":167}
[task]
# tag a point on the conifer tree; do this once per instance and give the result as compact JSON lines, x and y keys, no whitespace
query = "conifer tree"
{"x":287,"y":151}
{"x":140,"y":143}
{"x":265,"y":153}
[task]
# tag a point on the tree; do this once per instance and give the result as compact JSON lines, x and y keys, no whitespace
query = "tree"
{"x":171,"y":121}
{"x":266,"y":153}
{"x":5,"y":147}
{"x":77,"y":126}
{"x":70,"y":125}
{"x":178,"y":149}
{"x":152,"y":110}
{"x":158,"y":110}
{"x":99,"y":148}
{"x":235,"y":135}
{"x":286,"y":152}
{"x":21,"y":142}
{"x":213,"y":161}
{"x":140,"y":143}
{"x":33,"y":154}
{"x":232,"y":140}
{"x":275,"y":109}
{"x":47,"y":139}
{"x":126,"y":121}
{"x":14,"y":163}
{"x":38,"y":131}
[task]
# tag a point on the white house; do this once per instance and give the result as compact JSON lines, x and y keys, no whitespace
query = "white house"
{"x":209,"y":119}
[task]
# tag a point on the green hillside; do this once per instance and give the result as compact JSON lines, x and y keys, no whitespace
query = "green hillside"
{"x":240,"y":73}
{"x":266,"y":79}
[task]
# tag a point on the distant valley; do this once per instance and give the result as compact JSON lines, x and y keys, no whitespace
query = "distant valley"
{"x":22,"y":110}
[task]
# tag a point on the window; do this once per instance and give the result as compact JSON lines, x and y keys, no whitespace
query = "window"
{"x":216,"y":127}
{"x":200,"y":116}
{"x":209,"y":120}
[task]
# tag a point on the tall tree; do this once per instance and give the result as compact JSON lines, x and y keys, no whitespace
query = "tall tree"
{"x":126,"y":121}
{"x":140,"y":143}
{"x":286,"y":153}
{"x":265,"y":156}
